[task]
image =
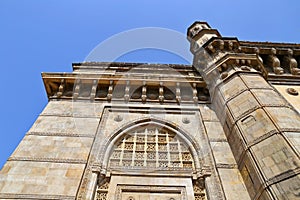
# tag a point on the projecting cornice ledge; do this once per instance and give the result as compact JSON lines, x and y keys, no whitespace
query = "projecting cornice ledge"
{"x":176,"y":84}
{"x":280,"y":61}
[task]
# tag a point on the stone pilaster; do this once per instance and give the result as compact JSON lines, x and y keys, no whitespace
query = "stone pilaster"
{"x":256,"y":118}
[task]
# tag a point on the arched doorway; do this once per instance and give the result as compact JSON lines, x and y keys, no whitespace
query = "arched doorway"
{"x":151,"y":161}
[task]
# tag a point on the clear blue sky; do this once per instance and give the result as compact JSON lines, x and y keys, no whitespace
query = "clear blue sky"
{"x":47,"y":36}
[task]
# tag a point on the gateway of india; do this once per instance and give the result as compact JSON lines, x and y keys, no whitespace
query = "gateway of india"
{"x":226,"y":127}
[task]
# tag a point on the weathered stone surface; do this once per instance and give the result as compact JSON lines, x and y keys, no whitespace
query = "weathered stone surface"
{"x":294,"y":138}
{"x":290,"y":186}
{"x":285,"y":118}
{"x":254,"y":81}
{"x":65,"y":125}
{"x":268,"y":97}
{"x":237,"y":144}
{"x":219,"y":106}
{"x":176,"y":119}
{"x":73,"y":109}
{"x":207,"y":113}
{"x":232,"y":87}
{"x":233,"y":185}
{"x":251,"y":176}
{"x":292,"y":99}
{"x":53,"y":147}
{"x":242,"y":103}
{"x":256,"y":125}
{"x":258,"y":113}
{"x":93,"y":139}
{"x":275,"y":160}
{"x":40,"y":178}
{"x":214,"y":131}
{"x":222,"y":153}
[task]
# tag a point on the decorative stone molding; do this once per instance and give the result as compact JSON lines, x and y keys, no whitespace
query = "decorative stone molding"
{"x":280,"y":57}
{"x":96,"y":87}
{"x":60,"y":134}
{"x":218,"y":140}
{"x":274,"y":62}
{"x":151,"y":148}
{"x":289,"y":130}
{"x":186,"y":120}
{"x":98,"y":165}
{"x":43,"y":159}
{"x":261,"y":138}
{"x":283,"y":176}
{"x":226,"y":166}
{"x":35,"y":196}
{"x":86,"y":179}
{"x":292,"y":91}
{"x":102,"y":189}
{"x":118,"y":118}
{"x":150,"y":189}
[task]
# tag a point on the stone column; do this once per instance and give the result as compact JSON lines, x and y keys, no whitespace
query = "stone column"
{"x":256,"y":119}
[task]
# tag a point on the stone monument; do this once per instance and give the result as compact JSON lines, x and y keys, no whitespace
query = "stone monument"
{"x":226,"y":127}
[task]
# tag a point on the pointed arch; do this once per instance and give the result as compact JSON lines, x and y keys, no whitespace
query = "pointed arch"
{"x":183,"y":136}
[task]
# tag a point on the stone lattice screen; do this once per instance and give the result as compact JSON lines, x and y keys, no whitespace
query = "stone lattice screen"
{"x":151,"y":147}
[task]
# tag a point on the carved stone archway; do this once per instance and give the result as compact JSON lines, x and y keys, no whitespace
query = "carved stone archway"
{"x":153,"y":151}
{"x":156,"y":151}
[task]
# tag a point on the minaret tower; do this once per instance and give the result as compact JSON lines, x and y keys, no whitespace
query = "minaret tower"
{"x":258,"y":122}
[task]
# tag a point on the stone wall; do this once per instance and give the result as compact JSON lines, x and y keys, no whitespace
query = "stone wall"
{"x":50,"y":160}
{"x":69,"y":137}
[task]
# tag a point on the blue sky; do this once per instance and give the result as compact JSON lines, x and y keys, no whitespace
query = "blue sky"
{"x":47,"y":36}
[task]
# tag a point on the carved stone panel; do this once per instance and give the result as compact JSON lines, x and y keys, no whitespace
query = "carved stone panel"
{"x":152,"y":148}
{"x":152,"y":188}
{"x":143,"y":192}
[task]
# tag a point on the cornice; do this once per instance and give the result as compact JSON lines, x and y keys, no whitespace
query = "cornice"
{"x":145,"y":86}
{"x":270,"y":44}
{"x":62,"y":85}
{"x":279,"y":63}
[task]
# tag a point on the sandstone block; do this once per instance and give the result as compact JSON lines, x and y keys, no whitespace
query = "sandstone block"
{"x":65,"y":125}
{"x":73,"y":108}
{"x":53,"y":147}
{"x":255,"y":125}
{"x":233,"y":184}
{"x":242,"y":103}
{"x":232,"y":87}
